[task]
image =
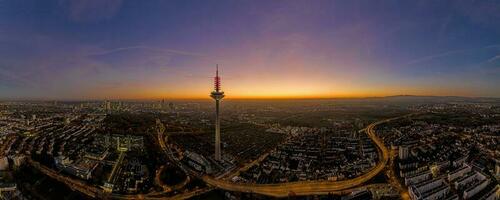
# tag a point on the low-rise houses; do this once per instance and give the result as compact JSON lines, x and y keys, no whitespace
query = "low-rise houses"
{"x":316,"y":154}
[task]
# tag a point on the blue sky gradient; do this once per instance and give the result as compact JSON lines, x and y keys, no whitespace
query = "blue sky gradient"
{"x":111,"y":49}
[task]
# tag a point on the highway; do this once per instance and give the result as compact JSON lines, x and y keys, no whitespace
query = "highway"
{"x":275,"y":190}
{"x":393,"y":180}
{"x":312,"y":187}
{"x":96,"y":192}
{"x":74,"y":184}
{"x":232,"y":173}
{"x":111,"y":178}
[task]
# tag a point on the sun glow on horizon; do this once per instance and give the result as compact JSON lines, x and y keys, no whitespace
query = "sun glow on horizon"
{"x":265,"y":50}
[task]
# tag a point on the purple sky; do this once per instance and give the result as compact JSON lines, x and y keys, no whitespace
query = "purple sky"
{"x":110,"y":49}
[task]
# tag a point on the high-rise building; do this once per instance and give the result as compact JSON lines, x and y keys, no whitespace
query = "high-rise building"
{"x":171,"y":106}
{"x":404,"y":152}
{"x":217,"y":95}
{"x":107,"y":105}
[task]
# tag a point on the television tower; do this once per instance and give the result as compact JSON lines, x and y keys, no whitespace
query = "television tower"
{"x":217,"y":95}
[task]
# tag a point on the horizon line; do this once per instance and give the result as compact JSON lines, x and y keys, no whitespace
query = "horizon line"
{"x":243,"y":98}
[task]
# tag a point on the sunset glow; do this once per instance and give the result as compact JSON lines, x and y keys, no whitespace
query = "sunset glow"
{"x":159,"y":49}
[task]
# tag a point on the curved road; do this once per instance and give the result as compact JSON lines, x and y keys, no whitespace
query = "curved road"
{"x":311,"y":187}
{"x":276,"y":190}
{"x":97,"y":192}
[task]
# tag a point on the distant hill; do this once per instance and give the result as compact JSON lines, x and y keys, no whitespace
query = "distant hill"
{"x":437,"y":99}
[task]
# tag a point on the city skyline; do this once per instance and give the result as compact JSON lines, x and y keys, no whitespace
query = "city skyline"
{"x":86,"y":50}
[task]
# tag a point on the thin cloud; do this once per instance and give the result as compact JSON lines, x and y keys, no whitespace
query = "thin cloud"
{"x":448,"y":53}
{"x":171,"y":51}
{"x":432,"y":57}
{"x":485,"y":67}
{"x":493,"y":58}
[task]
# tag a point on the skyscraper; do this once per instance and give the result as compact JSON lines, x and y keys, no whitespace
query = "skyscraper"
{"x":217,"y":95}
{"x":108,"y":105}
